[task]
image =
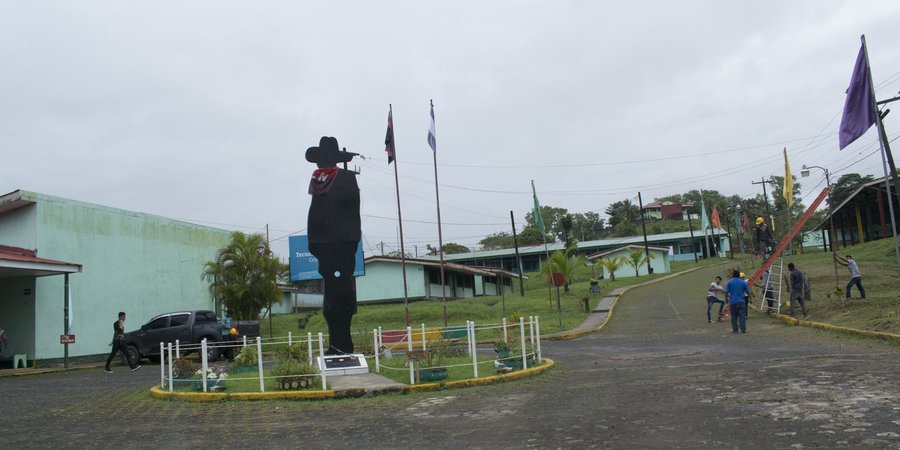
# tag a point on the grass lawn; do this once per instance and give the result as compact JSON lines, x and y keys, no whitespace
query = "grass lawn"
{"x":482,"y":310}
{"x":880,"y":311}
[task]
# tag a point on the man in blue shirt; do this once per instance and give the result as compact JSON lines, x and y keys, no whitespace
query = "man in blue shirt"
{"x":737,"y":292}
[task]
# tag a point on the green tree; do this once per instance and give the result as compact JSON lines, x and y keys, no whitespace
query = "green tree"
{"x":588,"y":226}
{"x":552,"y":218}
{"x":496,"y":241}
{"x":564,"y":262}
{"x":244,"y":275}
{"x":450,"y":248}
{"x":612,"y":265}
{"x":846,"y":185}
{"x":636,"y":258}
{"x":623,"y":211}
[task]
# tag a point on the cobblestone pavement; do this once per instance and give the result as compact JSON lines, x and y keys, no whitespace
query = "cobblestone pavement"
{"x":658,"y":376}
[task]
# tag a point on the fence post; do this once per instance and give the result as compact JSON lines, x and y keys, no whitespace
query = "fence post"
{"x":473,"y":345}
{"x":204,"y":361}
{"x":377,"y":350}
{"x":409,"y":359}
{"x":162,"y":365}
{"x":290,"y":343}
{"x":468,"y":338}
{"x":322,"y":355}
{"x":309,"y":347}
{"x":505,"y":337}
{"x":531,"y":330}
{"x":171,"y":384}
{"x":177,"y":349}
{"x":245,"y":340}
{"x":259,"y":363}
{"x":423,"y":337}
{"x":522,"y":333}
{"x":537,"y":325}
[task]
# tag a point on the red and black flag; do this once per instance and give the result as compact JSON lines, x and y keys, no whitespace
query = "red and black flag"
{"x":389,"y":138}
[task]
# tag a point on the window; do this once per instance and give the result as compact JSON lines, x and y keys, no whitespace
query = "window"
{"x":180,"y":320}
{"x":158,"y":323}
{"x":202,"y":317}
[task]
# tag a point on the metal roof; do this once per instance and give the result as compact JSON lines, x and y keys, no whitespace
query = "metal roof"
{"x":18,"y":262}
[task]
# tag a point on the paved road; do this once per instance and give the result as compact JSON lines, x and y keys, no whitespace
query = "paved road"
{"x":659,"y":376}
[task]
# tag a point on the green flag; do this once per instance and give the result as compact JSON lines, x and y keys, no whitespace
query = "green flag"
{"x":538,"y":220}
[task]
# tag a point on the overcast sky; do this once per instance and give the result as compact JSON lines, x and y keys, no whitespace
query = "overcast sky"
{"x":202,"y":111}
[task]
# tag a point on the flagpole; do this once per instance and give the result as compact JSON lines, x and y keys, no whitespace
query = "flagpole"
{"x":705,"y":223}
{"x":399,"y":217}
{"x":432,"y":140}
{"x":550,"y":265}
{"x":644,"y":228}
{"x":881,"y":141}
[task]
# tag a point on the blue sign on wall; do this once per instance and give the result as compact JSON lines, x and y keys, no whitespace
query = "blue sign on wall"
{"x":305,"y":266}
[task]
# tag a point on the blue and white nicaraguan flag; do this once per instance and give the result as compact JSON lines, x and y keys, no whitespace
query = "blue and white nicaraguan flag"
{"x":432,"y":141}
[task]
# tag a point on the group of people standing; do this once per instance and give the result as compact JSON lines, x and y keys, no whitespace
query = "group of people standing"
{"x":737,"y":294}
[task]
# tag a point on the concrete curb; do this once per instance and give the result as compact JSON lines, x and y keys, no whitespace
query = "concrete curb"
{"x":828,"y":327}
{"x":203,"y":397}
{"x":10,"y":373}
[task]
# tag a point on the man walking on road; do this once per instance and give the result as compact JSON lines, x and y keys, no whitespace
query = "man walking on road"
{"x":737,"y":292}
{"x":855,"y":276}
{"x":797,"y":289}
{"x":118,"y":344}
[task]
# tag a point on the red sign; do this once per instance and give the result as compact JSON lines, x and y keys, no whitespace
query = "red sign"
{"x":558,"y":279}
{"x":67,"y":339}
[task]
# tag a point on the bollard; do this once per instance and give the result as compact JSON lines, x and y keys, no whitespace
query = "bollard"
{"x":505,"y":337}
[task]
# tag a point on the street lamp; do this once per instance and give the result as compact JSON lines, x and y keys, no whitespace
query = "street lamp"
{"x":833,"y":231}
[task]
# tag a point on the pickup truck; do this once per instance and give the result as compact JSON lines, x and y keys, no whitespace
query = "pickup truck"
{"x":188,"y":327}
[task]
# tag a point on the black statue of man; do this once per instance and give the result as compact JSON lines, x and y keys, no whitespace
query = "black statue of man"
{"x":334,"y":233}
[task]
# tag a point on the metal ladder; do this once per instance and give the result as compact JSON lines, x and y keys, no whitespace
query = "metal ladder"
{"x":774,"y":285}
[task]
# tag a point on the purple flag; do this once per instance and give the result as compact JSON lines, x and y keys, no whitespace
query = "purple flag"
{"x":859,"y":109}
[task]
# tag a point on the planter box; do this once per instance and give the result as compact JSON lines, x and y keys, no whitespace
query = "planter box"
{"x":429,"y":375}
{"x":294,"y":383}
{"x":197,"y":385}
{"x":516,"y":363}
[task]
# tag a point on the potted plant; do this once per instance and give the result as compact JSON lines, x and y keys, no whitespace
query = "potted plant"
{"x":182,"y":372}
{"x":246,"y":360}
{"x":292,"y":369}
{"x":431,"y":361}
{"x":502,"y":349}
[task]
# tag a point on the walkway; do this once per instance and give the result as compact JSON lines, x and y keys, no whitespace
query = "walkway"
{"x":658,"y":376}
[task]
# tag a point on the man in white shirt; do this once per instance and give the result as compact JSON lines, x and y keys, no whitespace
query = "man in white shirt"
{"x":712,"y":296}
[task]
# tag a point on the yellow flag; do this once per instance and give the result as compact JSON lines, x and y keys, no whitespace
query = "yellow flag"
{"x":788,"y":192}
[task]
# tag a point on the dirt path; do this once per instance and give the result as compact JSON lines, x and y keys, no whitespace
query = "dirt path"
{"x":659,"y":376}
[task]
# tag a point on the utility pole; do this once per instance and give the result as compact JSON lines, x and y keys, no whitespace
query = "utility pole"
{"x":691,"y":227}
{"x":518,"y":259}
{"x":763,"y":182}
{"x":381,"y":244}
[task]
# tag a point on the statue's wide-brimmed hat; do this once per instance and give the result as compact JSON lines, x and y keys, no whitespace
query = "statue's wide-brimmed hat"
{"x":327,"y":152}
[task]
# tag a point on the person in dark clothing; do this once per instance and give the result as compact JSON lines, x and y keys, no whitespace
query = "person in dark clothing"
{"x":227,"y":337}
{"x":764,"y":239}
{"x":118,"y":344}
{"x":797,"y":289}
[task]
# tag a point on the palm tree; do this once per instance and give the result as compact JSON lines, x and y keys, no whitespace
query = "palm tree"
{"x":564,"y":263}
{"x":636,"y":258}
{"x":612,"y":265}
{"x":244,"y":274}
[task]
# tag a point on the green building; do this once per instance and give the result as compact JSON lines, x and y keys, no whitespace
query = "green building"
{"x":138,"y":263}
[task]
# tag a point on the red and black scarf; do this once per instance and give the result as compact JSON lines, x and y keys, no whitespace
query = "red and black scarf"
{"x":321,"y":181}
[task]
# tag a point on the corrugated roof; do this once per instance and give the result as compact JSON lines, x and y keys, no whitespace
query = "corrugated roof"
{"x":16,"y":261}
